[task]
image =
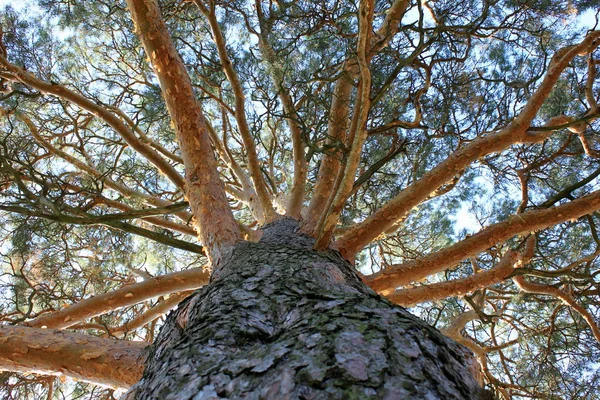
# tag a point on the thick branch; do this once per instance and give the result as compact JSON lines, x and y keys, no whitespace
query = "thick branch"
{"x":358,"y":131}
{"x":338,"y":119}
{"x":108,"y":362}
{"x":363,"y":233}
{"x":204,"y":189}
{"x":438,"y":291}
{"x":454,"y":331}
{"x":401,"y":274}
{"x":390,"y":25}
{"x":331,"y":160}
{"x":124,"y":297}
{"x":247,"y":194}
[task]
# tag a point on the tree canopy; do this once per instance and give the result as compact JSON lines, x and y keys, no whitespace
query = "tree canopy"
{"x":450,"y":149}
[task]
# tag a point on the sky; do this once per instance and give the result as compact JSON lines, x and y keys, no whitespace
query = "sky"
{"x":17,"y":4}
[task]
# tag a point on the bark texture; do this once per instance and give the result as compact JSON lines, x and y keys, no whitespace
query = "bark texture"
{"x":282,"y":321}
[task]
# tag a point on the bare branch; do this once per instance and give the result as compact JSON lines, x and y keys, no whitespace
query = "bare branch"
{"x":401,"y":274}
{"x":204,"y":189}
{"x":108,"y":362}
{"x":124,"y":297}
{"x":363,"y":233}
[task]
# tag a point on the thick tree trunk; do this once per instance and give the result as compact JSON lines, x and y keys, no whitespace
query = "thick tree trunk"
{"x":282,"y":321}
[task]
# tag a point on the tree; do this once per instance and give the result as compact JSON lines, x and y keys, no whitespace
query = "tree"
{"x":290,"y":159}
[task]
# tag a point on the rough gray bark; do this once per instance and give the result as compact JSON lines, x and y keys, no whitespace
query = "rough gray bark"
{"x":282,"y":321}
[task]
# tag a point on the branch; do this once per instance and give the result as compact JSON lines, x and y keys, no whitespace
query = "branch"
{"x":145,"y":137}
{"x":106,"y":218}
{"x":163,"y":307}
{"x":124,"y":297}
{"x":390,"y":25}
{"x":361,"y":234}
{"x":566,"y":193}
{"x":338,"y":121}
{"x":458,"y":287}
{"x":19,"y":74}
{"x":401,"y":274}
{"x":589,"y":84}
{"x":240,"y":113}
{"x":454,"y":331}
{"x":566,"y":298}
{"x":188,"y":230}
{"x":294,"y":206}
{"x":377,"y":165}
{"x":248,"y":194}
{"x":329,"y":169}
{"x":92,"y":171}
{"x":123,"y":226}
{"x":216,"y":225}
{"x":108,"y":362}
{"x":358,"y":131}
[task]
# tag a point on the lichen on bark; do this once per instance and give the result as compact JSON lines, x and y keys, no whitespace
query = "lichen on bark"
{"x":282,"y":321}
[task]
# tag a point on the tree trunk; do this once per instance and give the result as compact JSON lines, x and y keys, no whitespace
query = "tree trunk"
{"x":282,"y":321}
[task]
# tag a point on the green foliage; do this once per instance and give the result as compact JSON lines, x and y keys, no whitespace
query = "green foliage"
{"x":468,"y":67}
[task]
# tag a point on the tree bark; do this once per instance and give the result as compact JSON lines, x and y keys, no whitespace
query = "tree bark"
{"x":280,"y":320}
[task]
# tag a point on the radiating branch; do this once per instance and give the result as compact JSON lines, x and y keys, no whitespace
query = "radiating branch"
{"x":397,"y":275}
{"x":204,"y":189}
{"x":363,"y":233}
{"x":358,"y":129}
{"x":126,"y":296}
{"x":113,"y":363}
{"x":61,"y":91}
{"x":240,"y":112}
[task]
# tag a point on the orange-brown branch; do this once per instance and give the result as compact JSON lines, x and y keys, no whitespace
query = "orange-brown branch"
{"x":151,"y":314}
{"x":204,"y":189}
{"x":124,"y":297}
{"x":240,"y":113}
{"x":358,"y":131}
{"x":331,"y":160}
{"x":108,"y":362}
{"x":363,"y":233}
{"x":325,"y":187}
{"x":294,"y":206}
{"x":438,"y":291}
{"x":401,"y":274}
